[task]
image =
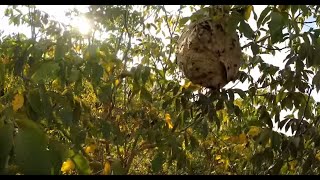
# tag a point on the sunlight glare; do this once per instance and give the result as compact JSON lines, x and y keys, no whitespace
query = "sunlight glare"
{"x":82,"y":24}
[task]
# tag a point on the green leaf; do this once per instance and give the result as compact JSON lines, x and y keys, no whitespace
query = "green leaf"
{"x":105,"y":93}
{"x":276,"y":26}
{"x":264,"y":137}
{"x":183,"y":21}
{"x":277,"y":167}
{"x":246,"y":30}
{"x":255,"y":49}
{"x":74,"y":76}
{"x":177,"y":105}
{"x":313,"y":57}
{"x":59,"y":50}
{"x":2,"y":74}
{"x":294,"y":9}
{"x":66,"y":115}
{"x":157,"y":162}
{"x":193,"y":142}
{"x":233,"y":22}
{"x":263,"y":16}
{"x":58,"y":151}
{"x":6,"y":143}
{"x":181,"y":161}
{"x":316,"y":81}
{"x":106,"y":128}
{"x":117,"y":168}
{"x":78,"y":135}
{"x":146,"y":95}
{"x":275,"y":140}
{"x":93,"y":71}
{"x":82,"y":164}
{"x":32,"y":155}
{"x":265,"y":117}
{"x":211,"y":112}
{"x":47,"y":71}
{"x":219,"y":105}
{"x":145,"y":74}
{"x":166,"y":103}
{"x":204,"y":129}
{"x":307,"y":164}
{"x":240,"y":92}
{"x":76,"y":114}
{"x":303,"y":51}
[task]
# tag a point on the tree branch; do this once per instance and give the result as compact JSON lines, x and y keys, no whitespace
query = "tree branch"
{"x":249,"y":44}
{"x":133,"y":153}
{"x":275,"y":49}
{"x":304,"y":111}
{"x":308,"y":22}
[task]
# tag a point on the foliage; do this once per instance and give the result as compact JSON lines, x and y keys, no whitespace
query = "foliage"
{"x":74,"y":104}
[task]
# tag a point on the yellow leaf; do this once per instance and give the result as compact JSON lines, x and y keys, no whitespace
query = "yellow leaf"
{"x":226,"y":165}
{"x":5,"y":60}
{"x":17,"y":102}
{"x":248,"y":12}
{"x":67,"y":166}
{"x":56,"y":83}
{"x":191,"y":86}
{"x":238,"y":102}
{"x":186,"y":85}
{"x":242,"y":138}
{"x":189,"y":130}
{"x":194,"y":87}
{"x":170,"y":125}
{"x":51,"y":51}
{"x":168,"y":121}
{"x":108,"y":69}
{"x":318,"y":156}
{"x":78,"y":48}
{"x":225,"y":138}
{"x":239,"y":148}
{"x":234,"y":139}
{"x":90,"y":149}
{"x":117,"y":82}
{"x":107,"y":168}
{"x":218,"y":157}
{"x":167,"y":117}
{"x":292,"y":164}
{"x":86,"y":56}
{"x":102,"y":54}
{"x":254,"y":131}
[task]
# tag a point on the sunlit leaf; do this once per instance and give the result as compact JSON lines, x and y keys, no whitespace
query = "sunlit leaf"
{"x":248,"y":12}
{"x":29,"y":141}
{"x":82,"y":164}
{"x":47,"y":71}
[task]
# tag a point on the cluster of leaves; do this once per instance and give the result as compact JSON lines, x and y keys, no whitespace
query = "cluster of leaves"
{"x":73,"y":104}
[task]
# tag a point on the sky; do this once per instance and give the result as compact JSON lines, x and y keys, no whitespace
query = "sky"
{"x":57,"y":12}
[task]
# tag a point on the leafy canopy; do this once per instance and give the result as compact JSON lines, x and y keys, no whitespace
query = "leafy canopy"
{"x":80,"y":104}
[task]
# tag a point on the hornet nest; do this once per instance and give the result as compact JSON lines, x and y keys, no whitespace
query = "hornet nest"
{"x":207,"y":54}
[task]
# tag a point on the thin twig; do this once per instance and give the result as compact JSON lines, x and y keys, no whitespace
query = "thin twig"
{"x":249,"y":44}
{"x":275,"y":49}
{"x":194,"y":122}
{"x":133,"y":153}
{"x":310,"y":22}
{"x":235,"y":85}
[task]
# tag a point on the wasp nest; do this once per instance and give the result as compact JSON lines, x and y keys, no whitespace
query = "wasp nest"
{"x":208,"y":55}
